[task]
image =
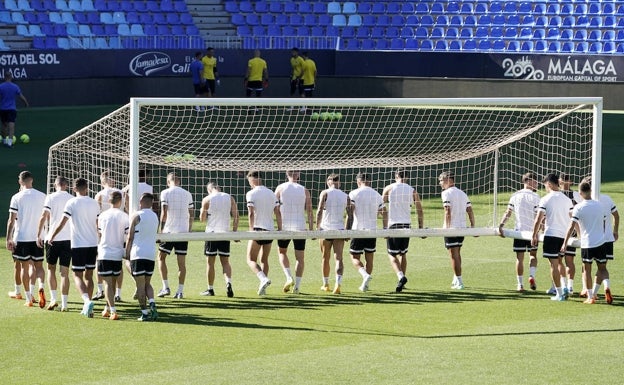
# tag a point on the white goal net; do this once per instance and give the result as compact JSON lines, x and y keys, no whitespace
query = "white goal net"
{"x":487,"y":143}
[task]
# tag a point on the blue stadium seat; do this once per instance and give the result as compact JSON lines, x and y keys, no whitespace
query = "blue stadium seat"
{"x":378,"y":8}
{"x":469,"y":45}
{"x":540,"y":46}
{"x":132,"y":17}
{"x":539,"y":34}
{"x":482,"y":32}
{"x":580,"y":34}
{"x":166,"y":5}
{"x":353,"y":45}
{"x":480,"y":8}
{"x":620,"y":35}
{"x":554,"y":46}
{"x":311,"y":20}
{"x":295,"y":20}
{"x":289,"y":31}
{"x":608,"y":35}
{"x":151,"y":30}
{"x":100,"y":43}
{"x":496,"y":32}
{"x":526,"y":33}
{"x":466,"y":33}
{"x":114,"y":43}
{"x":421,"y":33}
{"x":582,"y":21}
{"x":495,"y":7}
{"x":437,"y":33}
{"x":334,"y":7}
{"x":595,"y":47}
{"x":267,"y":19}
{"x":567,"y":47}
{"x":412,"y":21}
{"x":354,"y":20}
{"x":594,"y":9}
{"x":105,"y":18}
{"x":422,"y":8}
{"x":22,"y":30}
{"x":568,"y":21}
{"x":368,"y":44}
{"x":553,"y":9}
{"x":30,"y":17}
{"x":542,"y":21}
{"x":332,"y":31}
{"x":582,"y":47}
{"x":67,"y":17}
{"x":179,"y":6}
{"x":456,"y":21}
{"x":392,"y":32}
{"x":397,"y":44}
{"x":123,"y":29}
{"x":98,"y":29}
{"x":466,"y":8}
{"x":594,"y":35}
{"x":454,"y":45}
{"x":251,"y":19}
{"x":484,"y":20}
{"x":554,"y":21}
{"x":393,"y":8}
{"x":426,"y":45}
{"x":324,"y":19}
{"x":513,"y":46}
{"x":261,"y":7}
{"x":282,"y":19}
{"x":73,"y":5}
{"x":566,"y":9}
{"x":50,"y":43}
{"x":484,"y":45}
{"x":452,"y":33}
{"x":62,"y":43}
{"x":437,"y":8}
{"x":397,"y":21}
{"x":553,"y":34}
{"x":113,"y":6}
{"x":452,"y":7}
{"x":18,"y":18}
{"x":369,"y":20}
{"x":470,"y":20}
{"x":620,"y":48}
{"x":510,"y":7}
{"x":510,"y":33}
{"x":567,"y":34}
{"x":348,"y":7}
{"x":244,"y":6}
{"x":498,"y":20}
{"x":539,"y":9}
{"x":137,"y":30}
{"x":407,"y":8}
{"x":35,"y":30}
{"x":528,"y":20}
{"x":146,"y":18}
{"x":411,"y":44}
{"x":377,"y":32}
{"x":163,"y":30}
{"x":609,"y":22}
{"x":303,"y":31}
{"x":407,"y":32}
{"x":441,"y":45}
{"x":186,"y":19}
{"x":24,"y":5}
{"x":348,"y":32}
{"x":595,"y":22}
{"x":38,"y":6}
{"x":317,"y":31}
{"x":512,"y":20}
{"x":339,"y":21}
{"x":173,"y":18}
{"x":620,"y":12}
{"x":362,"y":32}
{"x":61,"y":5}
{"x":273,"y":30}
{"x":383,"y":20}
{"x":525,"y":8}
{"x":363,"y":7}
{"x":580,"y":9}
{"x":317,"y":7}
{"x":442,"y":21}
{"x":527,"y":46}
{"x":72,"y":30}
{"x":426,"y":21}
{"x":607,"y":9}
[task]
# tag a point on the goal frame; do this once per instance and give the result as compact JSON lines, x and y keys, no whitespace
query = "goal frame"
{"x":136,"y":103}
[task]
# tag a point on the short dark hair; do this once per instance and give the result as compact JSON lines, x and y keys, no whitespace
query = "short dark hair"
{"x":334,"y":177}
{"x":198,"y":54}
{"x":551,"y":178}
{"x":565,"y":177}
{"x":147,"y":196}
{"x":528,"y":176}
{"x":401,"y":173}
{"x":81,"y":183}
{"x":363,"y":176}
{"x":115,"y":197}
{"x":61,"y":180}
{"x":253,"y":174}
{"x":209,"y":49}
{"x":585,"y":186}
{"x":25,"y":175}
{"x":447,"y":175}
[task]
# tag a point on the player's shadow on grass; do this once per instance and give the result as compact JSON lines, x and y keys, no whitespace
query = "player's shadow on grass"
{"x":207,"y":320}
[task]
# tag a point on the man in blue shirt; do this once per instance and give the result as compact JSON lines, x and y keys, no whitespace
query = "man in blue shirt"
{"x":197,"y":73}
{"x":9,"y":92}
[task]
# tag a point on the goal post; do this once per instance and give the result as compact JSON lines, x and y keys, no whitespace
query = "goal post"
{"x":487,"y":142}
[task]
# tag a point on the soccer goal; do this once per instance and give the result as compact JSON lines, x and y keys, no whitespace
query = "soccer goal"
{"x":487,"y":142}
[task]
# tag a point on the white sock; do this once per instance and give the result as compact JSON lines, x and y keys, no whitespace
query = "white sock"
{"x":64,"y":299}
{"x":261,"y":276}
{"x":562,"y":282}
{"x":532,"y":270}
{"x":338,"y":279}
{"x":180,"y":288}
{"x":9,"y":141}
{"x":519,"y":278}
{"x":113,"y":310}
{"x":165,"y":284}
{"x":210,"y":287}
{"x":570,"y":284}
{"x":325,"y":281}
{"x":400,"y":274}
{"x":228,"y":280}
{"x":362,"y":272}
{"x":590,"y":293}
{"x":18,"y":289}
{"x":28,"y":296}
{"x":596,"y":288}
{"x":100,"y":288}
{"x":85,"y":298}
{"x":118,"y":292}
{"x":41,"y":285}
{"x":297,"y":282}
{"x":288,"y":274}
{"x":53,"y":295}
{"x":458,"y":279}
{"x":606,"y":284}
{"x":559,"y":291}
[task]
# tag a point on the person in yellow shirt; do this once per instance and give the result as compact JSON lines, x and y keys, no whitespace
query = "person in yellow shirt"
{"x":296,"y":62}
{"x":211,"y":74}
{"x":257,"y":77}
{"x":308,"y":75}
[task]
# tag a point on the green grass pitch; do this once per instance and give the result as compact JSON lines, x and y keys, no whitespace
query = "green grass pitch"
{"x":430,"y":334}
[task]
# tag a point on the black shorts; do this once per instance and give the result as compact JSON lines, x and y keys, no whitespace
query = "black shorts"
{"x":83,"y":258}
{"x":296,"y":85}
{"x":594,"y":254}
{"x":398,"y":246}
{"x":299,"y":244}
{"x":608,"y":248}
{"x":59,"y":252}
{"x":522,"y":245}
{"x":262,"y":241}
{"x":106,"y":268}
{"x":179,"y":247}
{"x":255,"y":85}
{"x":570,"y":251}
{"x":199,"y":89}
{"x":8,"y":116}
{"x":552,"y":247}
{"x":221,"y":248}
{"x":308,"y":90}
{"x":26,"y":251}
{"x":141,"y":267}
{"x":363,"y":245}
{"x":450,"y":242}
{"x":210,"y":86}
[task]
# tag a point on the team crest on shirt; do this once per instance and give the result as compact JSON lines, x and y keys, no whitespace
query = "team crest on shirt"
{"x":149,"y":62}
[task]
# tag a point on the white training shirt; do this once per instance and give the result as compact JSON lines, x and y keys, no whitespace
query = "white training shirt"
{"x":142,"y":187}
{"x":556,"y":208}
{"x":263,"y":201}
{"x":27,"y":205}
{"x":292,"y":206}
{"x":400,"y":199}
{"x":590,"y":216}
{"x":83,"y":212}
{"x":113,"y":226}
{"x":104,"y":196}
{"x":524,"y":205}
{"x":55,"y":205}
{"x":219,"y":212}
{"x":178,"y":202}
{"x":458,"y":201}
{"x":144,"y":242}
{"x":335,"y":205}
{"x":609,"y":208}
{"x":366,"y":205}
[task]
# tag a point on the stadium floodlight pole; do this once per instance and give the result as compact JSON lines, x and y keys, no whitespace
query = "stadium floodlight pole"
{"x":134,"y":155}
